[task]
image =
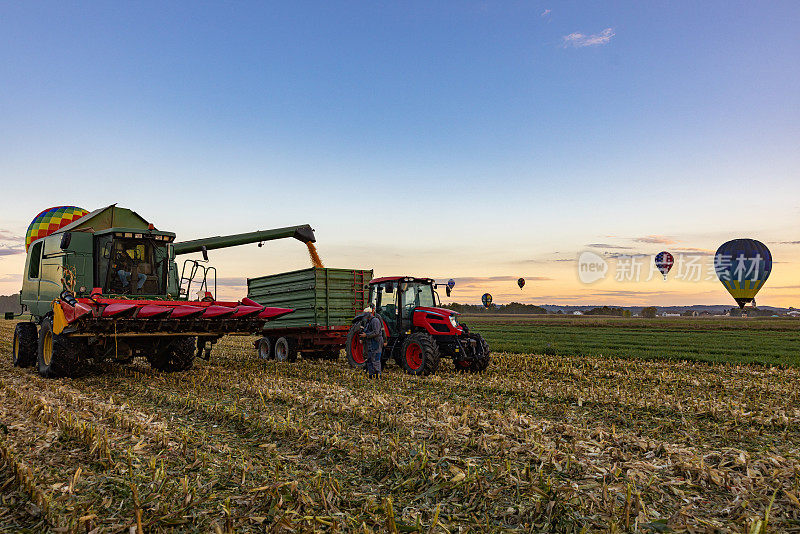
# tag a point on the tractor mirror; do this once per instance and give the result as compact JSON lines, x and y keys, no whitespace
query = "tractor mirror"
{"x":205,"y":253}
{"x":65,"y":239}
{"x":447,"y":290}
{"x":9,"y":316}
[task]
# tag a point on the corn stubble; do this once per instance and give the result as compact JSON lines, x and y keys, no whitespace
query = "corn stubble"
{"x":537,"y":443}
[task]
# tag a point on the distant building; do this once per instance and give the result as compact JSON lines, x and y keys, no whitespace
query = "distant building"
{"x":794,"y":313}
{"x":577,"y":312}
{"x":665,"y":314}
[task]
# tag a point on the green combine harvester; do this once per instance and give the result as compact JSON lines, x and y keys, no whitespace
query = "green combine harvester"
{"x":105,"y":285}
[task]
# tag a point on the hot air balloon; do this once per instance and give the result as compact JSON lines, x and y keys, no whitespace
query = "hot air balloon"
{"x":451,"y":283}
{"x":50,"y":220}
{"x":521,"y":283}
{"x":743,"y":265}
{"x":486,"y":299}
{"x":664,"y":262}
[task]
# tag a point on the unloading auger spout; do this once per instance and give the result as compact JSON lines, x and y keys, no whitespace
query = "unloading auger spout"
{"x":302,"y":233}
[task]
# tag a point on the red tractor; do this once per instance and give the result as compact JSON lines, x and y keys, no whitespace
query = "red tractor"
{"x":419,"y":331}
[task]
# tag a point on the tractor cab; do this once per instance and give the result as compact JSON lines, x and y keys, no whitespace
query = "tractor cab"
{"x":396,"y":298}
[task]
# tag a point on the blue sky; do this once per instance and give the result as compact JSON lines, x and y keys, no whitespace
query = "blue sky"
{"x":466,"y":139}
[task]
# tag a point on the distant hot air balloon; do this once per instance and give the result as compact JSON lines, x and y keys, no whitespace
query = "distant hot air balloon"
{"x":486,"y":299}
{"x":664,"y":262}
{"x":743,"y":265}
{"x":521,"y":283}
{"x":451,"y":283}
{"x":50,"y":220}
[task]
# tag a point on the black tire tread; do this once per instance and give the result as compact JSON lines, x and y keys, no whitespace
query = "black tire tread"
{"x":65,"y":360}
{"x":28,"y":343}
{"x":431,"y":357}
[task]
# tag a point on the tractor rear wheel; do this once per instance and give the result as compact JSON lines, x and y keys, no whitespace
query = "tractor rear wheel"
{"x":419,"y":354}
{"x":56,"y":355}
{"x":285,"y":350}
{"x":354,"y":347}
{"x":178,"y":355}
{"x":25,"y":345}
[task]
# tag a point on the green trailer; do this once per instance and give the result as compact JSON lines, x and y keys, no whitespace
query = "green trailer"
{"x":324,"y":301}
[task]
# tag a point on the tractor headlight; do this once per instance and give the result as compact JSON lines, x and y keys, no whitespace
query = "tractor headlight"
{"x":453,"y":321}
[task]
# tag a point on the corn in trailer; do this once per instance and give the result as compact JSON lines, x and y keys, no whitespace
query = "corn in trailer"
{"x":324,"y":301}
{"x":107,"y":286}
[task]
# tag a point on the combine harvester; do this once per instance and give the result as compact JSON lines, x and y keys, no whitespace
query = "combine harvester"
{"x":105,"y":285}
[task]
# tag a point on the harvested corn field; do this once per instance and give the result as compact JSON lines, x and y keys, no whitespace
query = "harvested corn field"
{"x":536,"y":443}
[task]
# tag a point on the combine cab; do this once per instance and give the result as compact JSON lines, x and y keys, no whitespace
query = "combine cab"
{"x":418,"y":329}
{"x":107,"y":286}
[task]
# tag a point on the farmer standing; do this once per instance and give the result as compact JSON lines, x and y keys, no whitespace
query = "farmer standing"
{"x":373,"y":342}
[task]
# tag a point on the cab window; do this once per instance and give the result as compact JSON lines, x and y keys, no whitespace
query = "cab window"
{"x":384,"y":298}
{"x":415,"y":295}
{"x":36,"y":257}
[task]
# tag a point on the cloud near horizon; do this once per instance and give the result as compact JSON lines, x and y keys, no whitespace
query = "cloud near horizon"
{"x":467,"y":280}
{"x":10,"y":250}
{"x":579,"y":40}
{"x":7,"y":235}
{"x":655,"y":239}
{"x":607,"y":245}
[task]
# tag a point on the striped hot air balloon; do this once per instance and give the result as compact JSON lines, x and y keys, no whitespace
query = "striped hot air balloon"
{"x":743,"y":265}
{"x":51,"y":220}
{"x":664,"y":262}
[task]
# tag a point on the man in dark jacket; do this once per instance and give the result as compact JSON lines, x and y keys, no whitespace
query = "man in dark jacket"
{"x":373,"y":342}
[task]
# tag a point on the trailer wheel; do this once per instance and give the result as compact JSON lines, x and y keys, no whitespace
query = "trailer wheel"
{"x":285,"y":350}
{"x":265,"y":349}
{"x":419,"y":354}
{"x":23,"y":352}
{"x":176,"y":356}
{"x":355,"y":348}
{"x":56,"y":355}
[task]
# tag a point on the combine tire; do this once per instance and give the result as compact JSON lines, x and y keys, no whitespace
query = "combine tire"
{"x":419,"y":354}
{"x":56,"y":355}
{"x":265,"y":349}
{"x":355,"y":348}
{"x":176,"y":356}
{"x":285,"y":350}
{"x":25,"y":345}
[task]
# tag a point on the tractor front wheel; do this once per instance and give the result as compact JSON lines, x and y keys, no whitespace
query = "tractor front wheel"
{"x":354,"y":347}
{"x":483,"y":358}
{"x":56,"y":355}
{"x":419,"y":354}
{"x":25,"y":344}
